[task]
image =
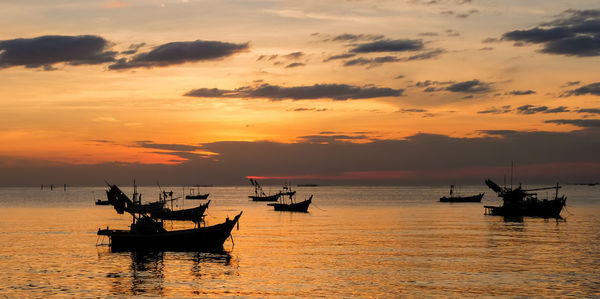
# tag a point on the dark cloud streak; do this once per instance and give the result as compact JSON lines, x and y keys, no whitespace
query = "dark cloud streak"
{"x":44,"y":51}
{"x":180,"y":52}
{"x":338,"y":92}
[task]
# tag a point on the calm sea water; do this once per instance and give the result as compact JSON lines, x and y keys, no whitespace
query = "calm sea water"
{"x":355,"y":242}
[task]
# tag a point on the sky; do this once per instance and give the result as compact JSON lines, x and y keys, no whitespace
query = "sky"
{"x":328,"y":92}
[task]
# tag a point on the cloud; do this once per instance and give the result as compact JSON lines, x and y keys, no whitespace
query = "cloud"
{"x":301,"y":109}
{"x":133,"y":48}
{"x":341,"y":56}
{"x":490,"y":40}
{"x":294,"y":55}
{"x":426,"y":55}
{"x":589,"y":110}
{"x":494,"y":110}
{"x":294,"y":64}
{"x":571,"y":83}
{"x":267,"y":57}
{"x":398,"y":45}
{"x":574,"y":33}
{"x":169,"y":147}
{"x":530,"y":109}
{"x":180,"y":52}
{"x":520,"y":92}
{"x":411,"y":110}
{"x":422,"y":158}
{"x":347,"y":37}
{"x":372,"y":61}
{"x":593,"y":89}
{"x":45,"y":51}
{"x":472,"y":86}
{"x":583,"y":123}
{"x":498,"y":132}
{"x":338,"y":92}
{"x":326,"y":139}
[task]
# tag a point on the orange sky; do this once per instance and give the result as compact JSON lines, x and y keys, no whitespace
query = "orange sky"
{"x":453,"y":68}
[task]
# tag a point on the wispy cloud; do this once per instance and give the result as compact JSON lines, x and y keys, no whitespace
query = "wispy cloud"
{"x":180,"y":52}
{"x":338,"y":92}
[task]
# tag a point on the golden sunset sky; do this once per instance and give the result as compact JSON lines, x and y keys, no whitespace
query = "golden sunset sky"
{"x":351,"y":91}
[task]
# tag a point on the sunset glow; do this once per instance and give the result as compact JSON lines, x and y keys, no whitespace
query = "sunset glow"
{"x":87,"y":83}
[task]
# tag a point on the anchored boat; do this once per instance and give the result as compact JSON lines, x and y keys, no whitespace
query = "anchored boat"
{"x":147,"y":233}
{"x":147,"y":230}
{"x":292,"y":206}
{"x":454,"y":198}
{"x":259,"y":194}
{"x":519,"y":202}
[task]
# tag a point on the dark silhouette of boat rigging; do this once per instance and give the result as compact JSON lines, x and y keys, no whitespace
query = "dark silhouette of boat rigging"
{"x":454,"y":198}
{"x":520,"y":202}
{"x":287,"y":190}
{"x":259,"y":194}
{"x":147,"y":230}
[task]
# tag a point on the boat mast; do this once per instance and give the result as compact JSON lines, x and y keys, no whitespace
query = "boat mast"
{"x":511,"y":174}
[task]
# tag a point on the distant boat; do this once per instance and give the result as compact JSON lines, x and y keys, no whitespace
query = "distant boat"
{"x":293,"y":206}
{"x":259,"y":194}
{"x":149,"y":234}
{"x":520,"y":202}
{"x":197,"y":195}
{"x":454,"y":198}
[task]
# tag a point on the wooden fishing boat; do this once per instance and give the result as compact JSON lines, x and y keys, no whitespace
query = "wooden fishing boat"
{"x":122,"y":203}
{"x":273,"y":197}
{"x":454,"y":198}
{"x":293,"y":206}
{"x":519,"y":202}
{"x":197,"y":195}
{"x":192,"y":214}
{"x":259,"y":194}
{"x":148,"y":234}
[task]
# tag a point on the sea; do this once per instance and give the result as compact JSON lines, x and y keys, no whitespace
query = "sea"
{"x":355,"y":242}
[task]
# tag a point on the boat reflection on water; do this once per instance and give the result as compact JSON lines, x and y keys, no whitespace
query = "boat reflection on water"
{"x":152,"y":273}
{"x":147,"y":273}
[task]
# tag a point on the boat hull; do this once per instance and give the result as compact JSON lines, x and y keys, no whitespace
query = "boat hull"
{"x":193,"y":214}
{"x":209,"y":238}
{"x":543,"y":208}
{"x":198,"y":196}
{"x":293,"y":207}
{"x":274,"y":197}
{"x":474,"y":198}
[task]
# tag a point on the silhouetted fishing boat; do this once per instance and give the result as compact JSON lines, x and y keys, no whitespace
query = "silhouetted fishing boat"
{"x":259,"y":194}
{"x":148,"y":234}
{"x":454,"y":198}
{"x":122,"y":203}
{"x":520,"y":202}
{"x":197,"y":195}
{"x":102,"y":202}
{"x":193,"y":214}
{"x":147,"y":230}
{"x":292,"y":206}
